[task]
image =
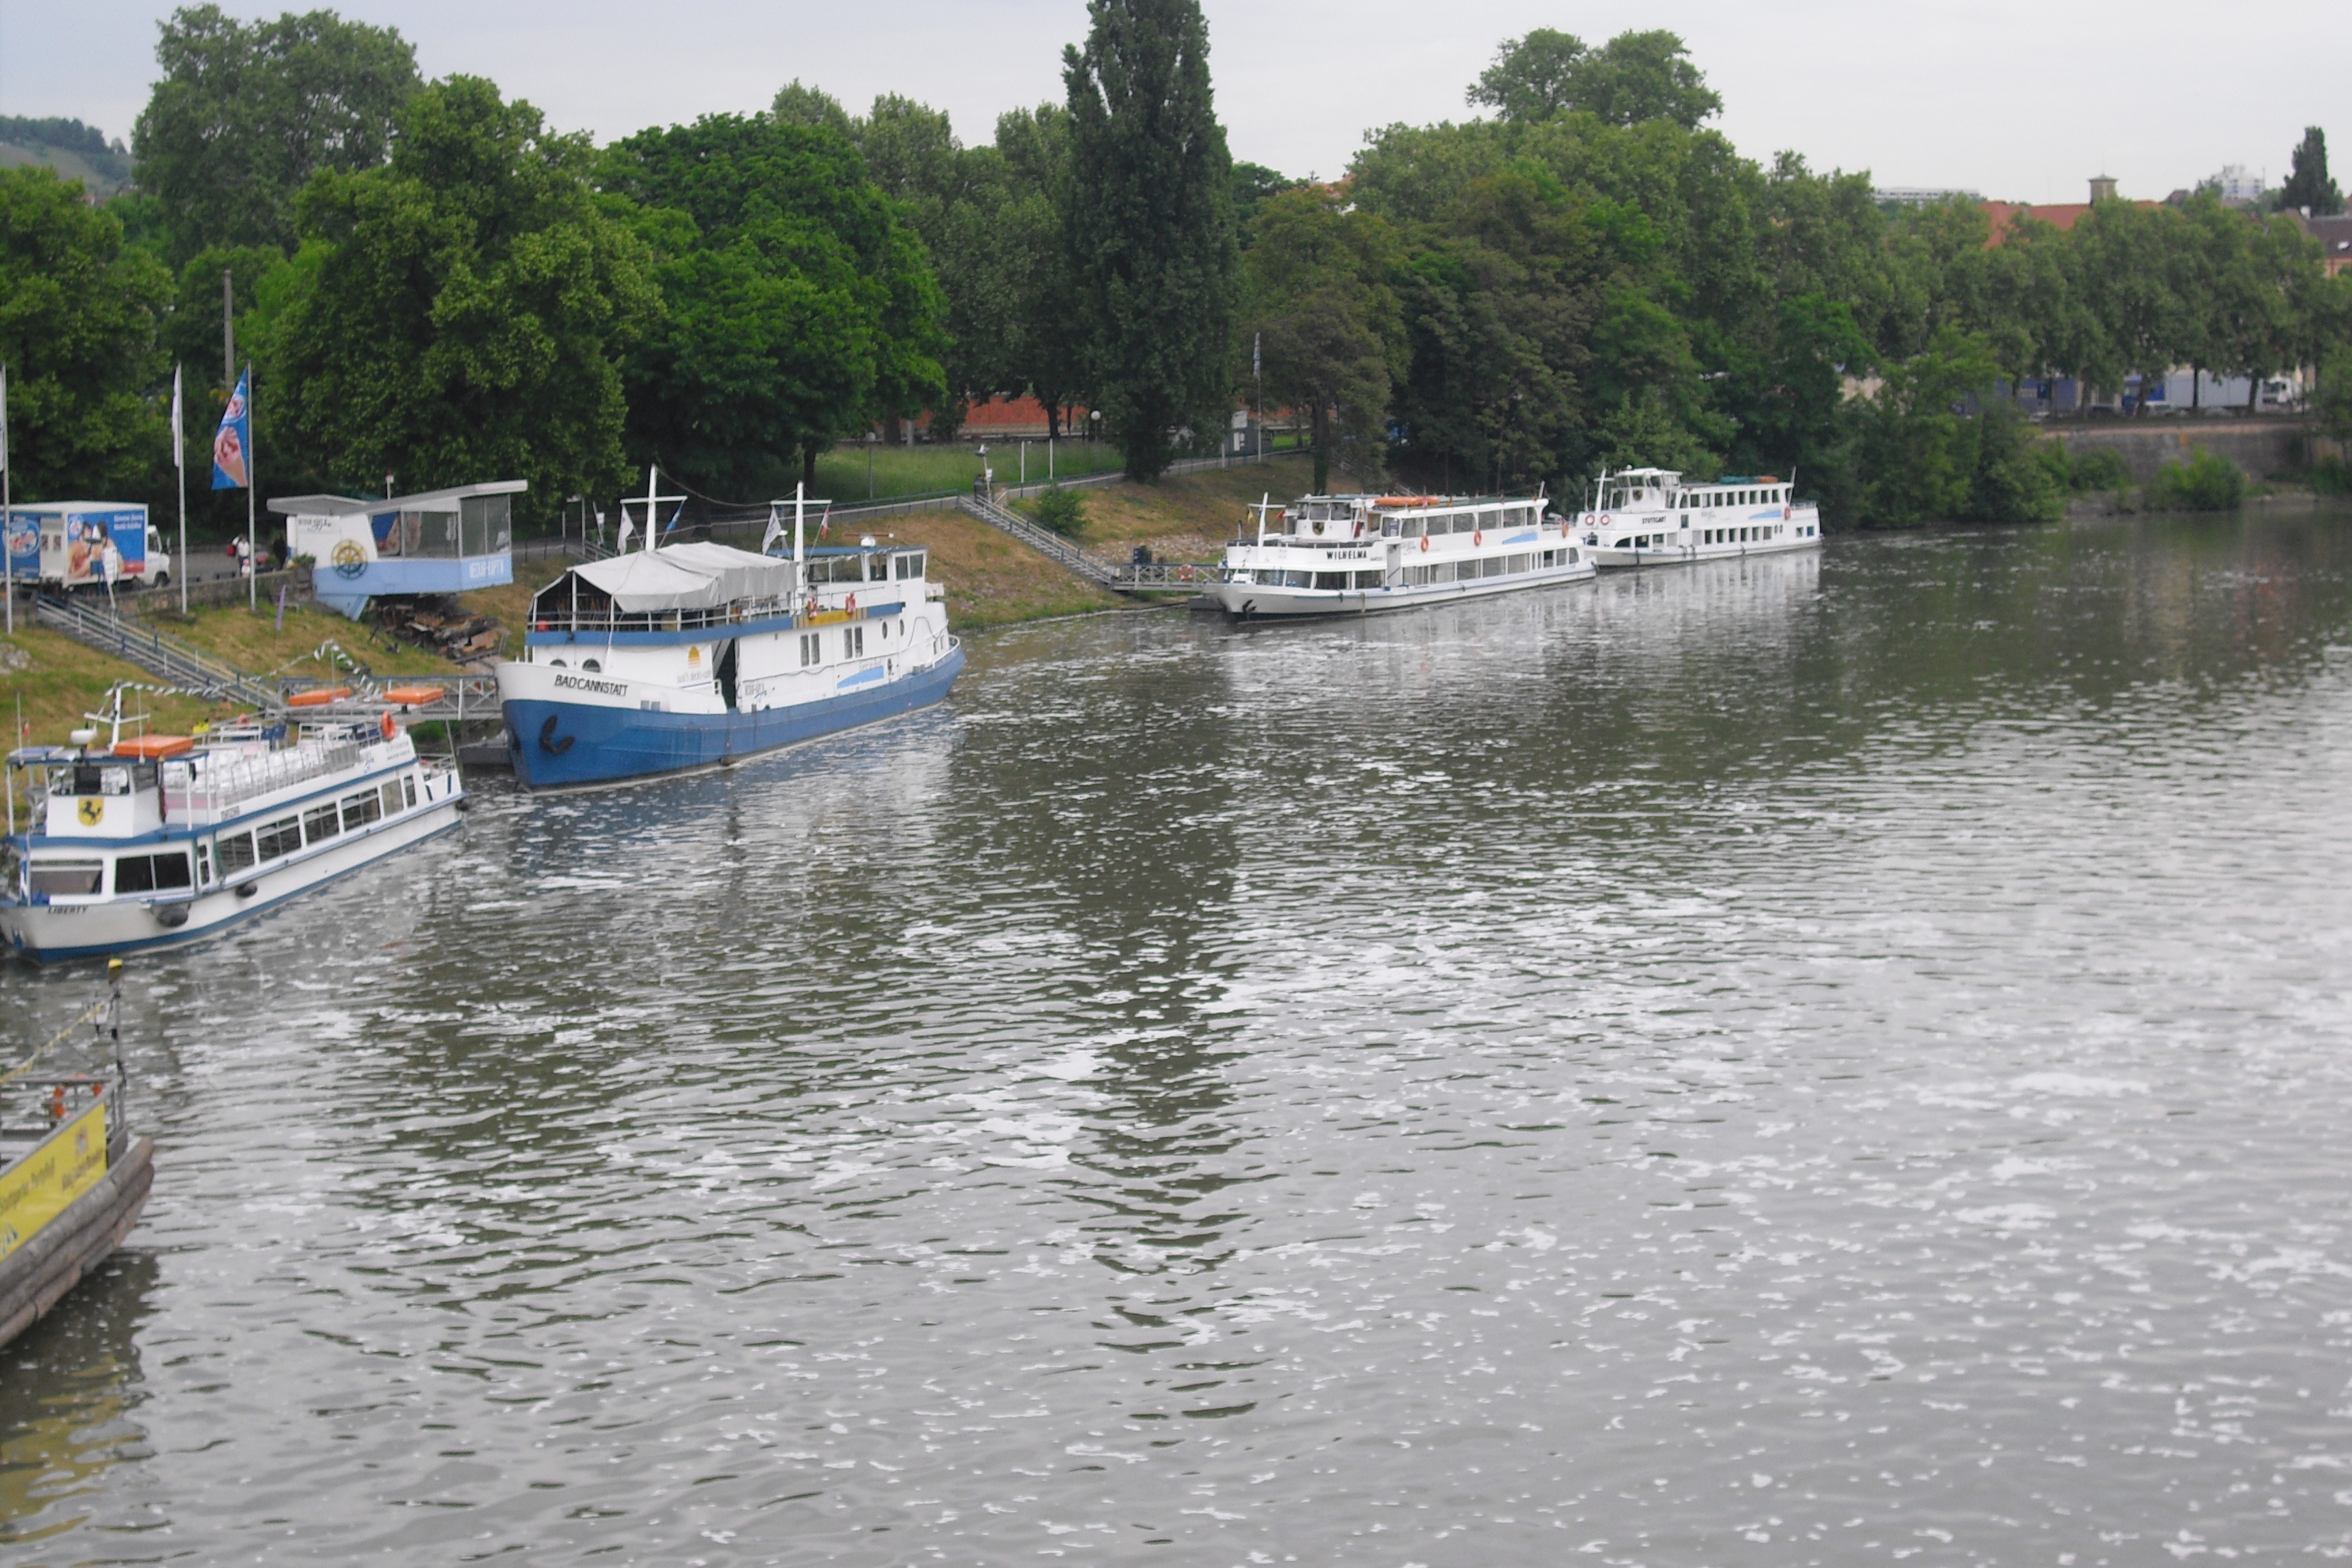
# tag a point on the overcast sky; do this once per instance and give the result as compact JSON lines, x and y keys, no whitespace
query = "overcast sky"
{"x":2013,"y":99}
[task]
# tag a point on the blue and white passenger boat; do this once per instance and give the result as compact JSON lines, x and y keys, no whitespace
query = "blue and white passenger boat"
{"x":691,"y":656}
{"x":1649,"y":517}
{"x":1357,"y":554}
{"x":157,"y":839}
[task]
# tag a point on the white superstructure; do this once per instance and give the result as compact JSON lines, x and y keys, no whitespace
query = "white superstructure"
{"x":162,"y":838}
{"x":1355,"y":555}
{"x":1649,"y":517}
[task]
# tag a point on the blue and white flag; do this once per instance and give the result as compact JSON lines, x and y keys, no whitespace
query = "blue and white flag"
{"x":775,"y":534}
{"x":233,"y":442}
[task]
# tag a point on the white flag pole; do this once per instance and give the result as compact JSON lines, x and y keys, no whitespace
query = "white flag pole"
{"x":252,"y":484}
{"x":180,"y":471}
{"x":7,"y":516}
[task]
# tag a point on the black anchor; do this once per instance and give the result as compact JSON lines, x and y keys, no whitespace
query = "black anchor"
{"x":548,"y":742}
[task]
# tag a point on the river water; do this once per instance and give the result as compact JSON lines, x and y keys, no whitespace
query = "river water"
{"x":1828,"y":1059}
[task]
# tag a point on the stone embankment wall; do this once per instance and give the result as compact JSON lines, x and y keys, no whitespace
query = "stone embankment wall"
{"x":2260,"y":447}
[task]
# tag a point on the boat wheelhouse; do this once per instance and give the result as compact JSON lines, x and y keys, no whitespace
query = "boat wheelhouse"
{"x":157,"y":839}
{"x":1356,"y":554}
{"x":691,"y":656}
{"x":1649,"y":517}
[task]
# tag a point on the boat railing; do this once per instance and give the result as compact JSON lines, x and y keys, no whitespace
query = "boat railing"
{"x":717,"y":618}
{"x":219,"y":784}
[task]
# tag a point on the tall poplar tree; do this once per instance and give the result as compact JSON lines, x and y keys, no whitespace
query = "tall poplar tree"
{"x":1150,"y":225}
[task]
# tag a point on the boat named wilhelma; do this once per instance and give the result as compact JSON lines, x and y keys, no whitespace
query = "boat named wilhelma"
{"x":1649,"y":517}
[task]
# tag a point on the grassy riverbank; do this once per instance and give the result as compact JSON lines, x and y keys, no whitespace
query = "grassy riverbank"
{"x":54,"y":680}
{"x":840,"y":474}
{"x":1188,"y":516}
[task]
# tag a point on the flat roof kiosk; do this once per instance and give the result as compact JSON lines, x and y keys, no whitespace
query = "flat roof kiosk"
{"x":436,"y":542}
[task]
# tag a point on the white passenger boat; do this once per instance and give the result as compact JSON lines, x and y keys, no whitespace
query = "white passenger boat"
{"x":694,"y":654}
{"x":1355,"y":555}
{"x":1649,"y":517}
{"x":157,"y":839}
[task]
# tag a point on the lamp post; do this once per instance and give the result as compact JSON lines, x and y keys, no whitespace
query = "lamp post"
{"x":1094,"y":437}
{"x":872,"y":435}
{"x":981,"y":453}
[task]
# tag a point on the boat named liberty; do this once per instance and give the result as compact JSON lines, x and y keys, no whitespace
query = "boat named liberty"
{"x":150,"y":840}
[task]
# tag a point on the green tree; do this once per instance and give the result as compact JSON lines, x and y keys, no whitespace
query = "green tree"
{"x":1316,"y":288}
{"x":809,"y":106}
{"x":1254,"y":184}
{"x":2307,"y":182}
{"x":78,"y":324}
{"x":1047,"y":347}
{"x":797,"y":305}
{"x":470,"y":305}
{"x":1150,"y":222}
{"x":1632,"y":78}
{"x":247,"y":112}
{"x":1532,"y":78}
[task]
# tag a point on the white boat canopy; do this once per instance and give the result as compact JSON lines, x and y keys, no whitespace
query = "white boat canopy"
{"x":697,"y":576}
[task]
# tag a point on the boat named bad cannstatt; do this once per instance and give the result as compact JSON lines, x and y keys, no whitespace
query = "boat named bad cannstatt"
{"x":1356,"y":554}
{"x":155,"y":839}
{"x":1649,"y":517}
{"x":689,"y":655}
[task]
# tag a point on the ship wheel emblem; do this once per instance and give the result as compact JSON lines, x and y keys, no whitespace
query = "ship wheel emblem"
{"x":347,"y":559}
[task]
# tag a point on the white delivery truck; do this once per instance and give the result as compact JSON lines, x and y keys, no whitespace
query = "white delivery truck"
{"x":62,"y":544}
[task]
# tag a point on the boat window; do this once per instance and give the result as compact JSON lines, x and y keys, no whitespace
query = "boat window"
{"x":593,"y":666}
{"x":97,"y":778}
{"x":321,"y":823}
{"x":408,"y":788}
{"x":390,"y":794}
{"x":204,"y":863}
{"x":150,"y":873}
{"x":911,"y":564}
{"x":235,"y":853}
{"x":359,"y":810}
{"x":280,"y":838}
{"x":66,"y":879}
{"x":556,"y":662}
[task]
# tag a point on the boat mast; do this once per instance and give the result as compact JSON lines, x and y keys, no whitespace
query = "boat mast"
{"x":800,"y":539}
{"x":650,"y":530}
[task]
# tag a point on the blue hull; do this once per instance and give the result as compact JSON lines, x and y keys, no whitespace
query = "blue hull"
{"x":588,"y":746}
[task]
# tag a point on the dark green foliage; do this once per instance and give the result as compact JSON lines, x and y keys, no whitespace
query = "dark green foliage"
{"x":77,"y":315}
{"x":1315,"y":290}
{"x":247,"y":113}
{"x":2308,"y":184}
{"x":2206,"y":482}
{"x":1149,"y":223}
{"x":1254,"y":184}
{"x":796,"y":305}
{"x":2096,"y":468}
{"x":1634,"y":77}
{"x":67,"y":135}
{"x":467,"y":309}
{"x":1061,"y":509}
{"x":1915,"y":456}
